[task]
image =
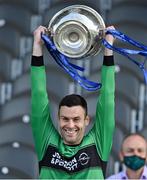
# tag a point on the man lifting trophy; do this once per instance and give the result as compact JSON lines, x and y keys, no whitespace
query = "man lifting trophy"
{"x":67,"y":152}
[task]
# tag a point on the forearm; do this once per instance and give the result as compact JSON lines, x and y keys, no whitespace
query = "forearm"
{"x":107,"y":80}
{"x":108,"y":52}
{"x":38,"y":85}
{"x":38,"y":78}
{"x":37,"y":50}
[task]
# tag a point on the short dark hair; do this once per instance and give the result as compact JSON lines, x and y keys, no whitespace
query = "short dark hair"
{"x":74,"y":100}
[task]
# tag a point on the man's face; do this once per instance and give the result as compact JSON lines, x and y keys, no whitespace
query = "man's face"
{"x":134,"y":145}
{"x":72,"y":124}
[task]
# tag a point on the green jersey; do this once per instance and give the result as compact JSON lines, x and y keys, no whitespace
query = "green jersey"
{"x":86,"y":160}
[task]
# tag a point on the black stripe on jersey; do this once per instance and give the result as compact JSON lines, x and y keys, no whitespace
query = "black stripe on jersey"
{"x":84,"y":158}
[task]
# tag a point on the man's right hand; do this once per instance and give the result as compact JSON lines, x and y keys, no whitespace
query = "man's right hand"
{"x":38,"y":42}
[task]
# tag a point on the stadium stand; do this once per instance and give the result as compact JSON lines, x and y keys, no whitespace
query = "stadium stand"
{"x":22,"y":156}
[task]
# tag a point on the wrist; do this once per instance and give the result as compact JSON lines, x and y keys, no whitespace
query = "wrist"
{"x":37,"y":50}
{"x":37,"y":61}
{"x":108,"y":60}
{"x":108,"y":52}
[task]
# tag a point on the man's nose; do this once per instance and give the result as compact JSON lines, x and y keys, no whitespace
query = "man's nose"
{"x":71,"y":123}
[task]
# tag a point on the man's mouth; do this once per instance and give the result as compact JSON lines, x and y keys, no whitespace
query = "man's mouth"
{"x":70,"y":132}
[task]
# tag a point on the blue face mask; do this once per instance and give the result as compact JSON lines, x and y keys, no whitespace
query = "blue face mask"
{"x":134,"y":162}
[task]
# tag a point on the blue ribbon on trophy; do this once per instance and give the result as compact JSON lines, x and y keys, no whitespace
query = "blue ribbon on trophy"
{"x":70,"y":68}
{"x":62,"y":48}
{"x":126,"y":52}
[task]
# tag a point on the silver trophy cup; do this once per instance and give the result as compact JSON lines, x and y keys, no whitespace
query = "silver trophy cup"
{"x":77,"y":31}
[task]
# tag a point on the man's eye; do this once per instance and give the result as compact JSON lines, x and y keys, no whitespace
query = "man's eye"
{"x":141,"y":150}
{"x":76,"y":119}
{"x":130,"y":150}
{"x":65,"y":119}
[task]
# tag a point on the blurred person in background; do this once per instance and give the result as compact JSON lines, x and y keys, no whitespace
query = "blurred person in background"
{"x":69,"y":153}
{"x":133,"y":154}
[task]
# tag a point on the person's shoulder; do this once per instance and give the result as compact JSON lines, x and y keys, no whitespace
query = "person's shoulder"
{"x":112,"y":176}
{"x":116,"y":176}
{"x":145,"y":171}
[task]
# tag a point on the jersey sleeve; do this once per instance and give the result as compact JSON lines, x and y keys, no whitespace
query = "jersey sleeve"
{"x":41,"y":123}
{"x":104,"y":119}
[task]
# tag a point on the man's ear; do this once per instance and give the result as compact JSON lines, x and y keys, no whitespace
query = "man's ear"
{"x":87,"y":120}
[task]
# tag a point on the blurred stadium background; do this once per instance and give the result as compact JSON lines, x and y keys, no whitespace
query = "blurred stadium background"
{"x":18,"y":19}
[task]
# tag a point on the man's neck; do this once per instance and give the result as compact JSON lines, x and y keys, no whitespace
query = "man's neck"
{"x":134,"y":174}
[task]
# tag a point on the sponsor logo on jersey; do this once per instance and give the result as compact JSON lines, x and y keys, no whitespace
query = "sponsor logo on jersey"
{"x":58,"y":161}
{"x":84,"y":158}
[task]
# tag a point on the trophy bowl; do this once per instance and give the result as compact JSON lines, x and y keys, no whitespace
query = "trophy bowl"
{"x":77,"y":31}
